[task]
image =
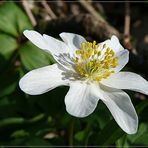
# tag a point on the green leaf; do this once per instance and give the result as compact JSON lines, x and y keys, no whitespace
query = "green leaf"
{"x":32,"y":57}
{"x":141,"y":135}
{"x":80,"y":135}
{"x":8,"y":45}
{"x":140,"y":138}
{"x":110,"y":133}
{"x":136,"y":138}
{"x":19,"y":133}
{"x":22,"y":20}
{"x":37,"y":118}
{"x":122,"y":142}
{"x":7,"y":17}
{"x":13,"y":20}
{"x":52,"y":102}
{"x":12,"y":120}
{"x":8,"y":83}
{"x":141,"y":106}
{"x":102,"y":115}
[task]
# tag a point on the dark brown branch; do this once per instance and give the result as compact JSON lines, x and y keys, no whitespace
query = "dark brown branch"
{"x":83,"y":24}
{"x":110,"y":30}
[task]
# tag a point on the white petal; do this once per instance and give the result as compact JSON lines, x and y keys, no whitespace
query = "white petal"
{"x":72,"y":40}
{"x":60,"y":51}
{"x":127,"y":80}
{"x":81,"y":99}
{"x":36,"y":38}
{"x":112,"y":43}
{"x":41,"y":80}
{"x":46,"y":42}
{"x":115,"y":44}
{"x":103,"y":50}
{"x":121,"y":108}
{"x":121,"y":53}
{"x":56,"y":46}
{"x":123,"y":58}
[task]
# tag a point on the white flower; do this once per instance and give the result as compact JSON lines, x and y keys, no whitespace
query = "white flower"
{"x":92,"y":72}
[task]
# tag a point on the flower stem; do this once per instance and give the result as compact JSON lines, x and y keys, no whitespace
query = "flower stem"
{"x":71,"y":130}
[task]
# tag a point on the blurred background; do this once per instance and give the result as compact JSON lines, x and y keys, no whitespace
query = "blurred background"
{"x":42,"y":120}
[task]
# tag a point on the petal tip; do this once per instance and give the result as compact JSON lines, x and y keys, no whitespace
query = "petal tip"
{"x":132,"y":131}
{"x":25,"y":32}
{"x":22,"y":85}
{"x":64,"y":34}
{"x":114,"y":37}
{"x":76,"y":114}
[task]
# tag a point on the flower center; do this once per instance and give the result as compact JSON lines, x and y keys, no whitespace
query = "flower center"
{"x":91,"y":63}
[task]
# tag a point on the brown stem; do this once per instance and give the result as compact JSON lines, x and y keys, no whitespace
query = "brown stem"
{"x":127,"y":23}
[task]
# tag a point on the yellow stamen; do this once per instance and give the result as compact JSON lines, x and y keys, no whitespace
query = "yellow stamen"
{"x":90,"y":65}
{"x":78,"y":52}
{"x":104,"y":45}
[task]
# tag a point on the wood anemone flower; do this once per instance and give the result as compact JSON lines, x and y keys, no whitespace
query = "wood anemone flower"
{"x":92,"y":71}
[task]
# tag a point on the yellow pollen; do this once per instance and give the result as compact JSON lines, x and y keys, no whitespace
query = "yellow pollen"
{"x":94,"y":44}
{"x":90,"y":63}
{"x":83,"y":46}
{"x":77,"y":59}
{"x":78,"y":51}
{"x":95,"y":51}
{"x":104,"y":45}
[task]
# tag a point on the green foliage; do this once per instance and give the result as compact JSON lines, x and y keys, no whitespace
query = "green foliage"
{"x":13,"y":20}
{"x":8,"y":45}
{"x":32,"y":57}
{"x":42,"y":120}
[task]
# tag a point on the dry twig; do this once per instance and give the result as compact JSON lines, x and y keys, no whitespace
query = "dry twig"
{"x":127,"y":19}
{"x":127,"y":23}
{"x":29,"y":13}
{"x":48,"y":9}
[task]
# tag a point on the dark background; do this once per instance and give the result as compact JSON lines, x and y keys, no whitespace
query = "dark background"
{"x":42,"y":120}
